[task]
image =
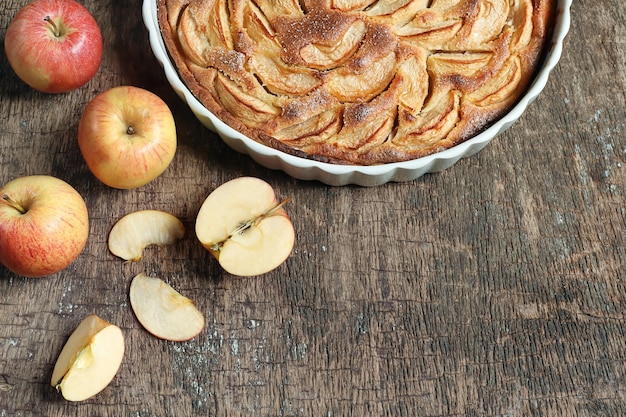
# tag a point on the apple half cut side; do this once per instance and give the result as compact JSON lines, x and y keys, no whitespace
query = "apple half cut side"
{"x":163,"y":311}
{"x":89,"y":360}
{"x":243,"y":225}
{"x":131,"y":234}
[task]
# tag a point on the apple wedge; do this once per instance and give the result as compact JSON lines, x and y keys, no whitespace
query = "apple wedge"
{"x":89,"y":360}
{"x":242,"y":224}
{"x":137,"y":230}
{"x":163,"y":311}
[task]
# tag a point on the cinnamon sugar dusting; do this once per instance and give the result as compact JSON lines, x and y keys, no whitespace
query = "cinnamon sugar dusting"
{"x":320,"y":26}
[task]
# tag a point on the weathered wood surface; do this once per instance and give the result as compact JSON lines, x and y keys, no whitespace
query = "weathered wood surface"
{"x":494,"y":288}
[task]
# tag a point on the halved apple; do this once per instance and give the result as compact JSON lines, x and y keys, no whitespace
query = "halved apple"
{"x":242,"y":224}
{"x":137,"y":230}
{"x":163,"y":311}
{"x":89,"y":360}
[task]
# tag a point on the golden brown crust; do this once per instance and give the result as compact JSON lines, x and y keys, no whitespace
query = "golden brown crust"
{"x":357,"y":81}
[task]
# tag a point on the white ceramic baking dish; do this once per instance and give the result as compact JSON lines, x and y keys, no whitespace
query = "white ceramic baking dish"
{"x":331,"y":174}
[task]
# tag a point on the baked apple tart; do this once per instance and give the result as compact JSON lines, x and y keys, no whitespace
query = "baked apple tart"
{"x":359,"y":82}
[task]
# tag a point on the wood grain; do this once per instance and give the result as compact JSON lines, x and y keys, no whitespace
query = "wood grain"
{"x":494,"y":288}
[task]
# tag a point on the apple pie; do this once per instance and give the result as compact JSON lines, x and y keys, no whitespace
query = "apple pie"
{"x":359,"y":82}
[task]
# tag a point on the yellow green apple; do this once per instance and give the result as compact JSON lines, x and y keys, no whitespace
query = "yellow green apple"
{"x":127,"y":136}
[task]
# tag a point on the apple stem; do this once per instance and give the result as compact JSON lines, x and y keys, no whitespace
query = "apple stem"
{"x":250,"y":223}
{"x":276,"y":207}
{"x":13,"y":203}
{"x":130,"y":131}
{"x":246,"y":225}
{"x":55,"y":28}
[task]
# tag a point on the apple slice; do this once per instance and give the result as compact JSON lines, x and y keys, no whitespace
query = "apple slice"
{"x":137,"y":230}
{"x":242,"y":224}
{"x":89,"y":360}
{"x":163,"y":311}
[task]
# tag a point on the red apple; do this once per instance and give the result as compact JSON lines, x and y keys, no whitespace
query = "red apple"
{"x":127,"y":136}
{"x":43,"y":225}
{"x":54,"y":46}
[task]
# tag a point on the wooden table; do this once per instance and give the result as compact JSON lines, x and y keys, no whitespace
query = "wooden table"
{"x":494,"y":288}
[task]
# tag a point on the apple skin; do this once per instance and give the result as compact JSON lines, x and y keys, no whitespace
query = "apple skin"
{"x":51,"y":233}
{"x":127,"y":136}
{"x":51,"y":63}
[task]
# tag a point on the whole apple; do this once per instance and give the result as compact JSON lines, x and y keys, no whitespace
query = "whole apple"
{"x":127,"y":136}
{"x":54,"y":46}
{"x":44,"y":225}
